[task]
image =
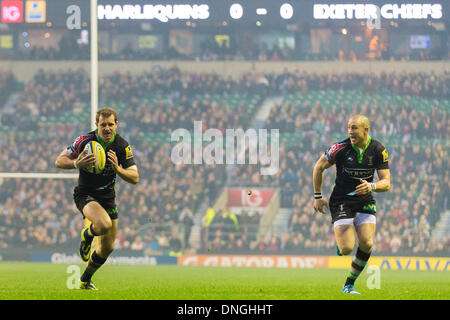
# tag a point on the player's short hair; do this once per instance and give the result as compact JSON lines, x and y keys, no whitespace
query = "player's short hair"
{"x":362,"y":119}
{"x":106,"y":112}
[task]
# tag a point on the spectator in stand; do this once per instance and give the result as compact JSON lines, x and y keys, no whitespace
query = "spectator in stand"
{"x":186,"y":218}
{"x":137,"y":244}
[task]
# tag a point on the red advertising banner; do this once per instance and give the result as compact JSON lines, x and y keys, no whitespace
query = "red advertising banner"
{"x":239,"y":197}
{"x":12,"y":11}
{"x":264,"y":261}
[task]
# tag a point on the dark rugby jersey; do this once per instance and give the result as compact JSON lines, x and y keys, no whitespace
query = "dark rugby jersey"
{"x":352,"y":165}
{"x":104,"y":182}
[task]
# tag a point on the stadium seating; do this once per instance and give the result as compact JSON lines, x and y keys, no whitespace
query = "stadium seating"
{"x":317,"y":103}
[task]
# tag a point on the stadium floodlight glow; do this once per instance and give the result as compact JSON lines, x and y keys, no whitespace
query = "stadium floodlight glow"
{"x":371,"y":11}
{"x":261,"y":11}
{"x":236,"y":11}
{"x":286,"y":11}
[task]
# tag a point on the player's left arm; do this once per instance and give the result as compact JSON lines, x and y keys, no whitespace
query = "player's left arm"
{"x":130,"y":174}
{"x":384,"y":174}
{"x":384,"y":182}
{"x":382,"y":185}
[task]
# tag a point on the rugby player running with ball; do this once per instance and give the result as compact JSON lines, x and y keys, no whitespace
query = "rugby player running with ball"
{"x":95,"y":195}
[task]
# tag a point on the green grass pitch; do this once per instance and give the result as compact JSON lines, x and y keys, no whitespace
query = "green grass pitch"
{"x":45,"y":281}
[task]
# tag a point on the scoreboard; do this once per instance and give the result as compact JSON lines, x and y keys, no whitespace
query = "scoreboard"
{"x":209,"y":12}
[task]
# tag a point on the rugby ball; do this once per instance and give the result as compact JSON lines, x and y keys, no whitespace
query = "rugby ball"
{"x":93,"y":147}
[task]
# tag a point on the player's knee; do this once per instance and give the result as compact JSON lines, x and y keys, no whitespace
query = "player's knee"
{"x":345,"y":251}
{"x":103,"y":226}
{"x":366,"y":245}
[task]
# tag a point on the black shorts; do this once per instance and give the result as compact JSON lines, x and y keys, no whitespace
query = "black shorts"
{"x":347,"y":208}
{"x":108,"y":203}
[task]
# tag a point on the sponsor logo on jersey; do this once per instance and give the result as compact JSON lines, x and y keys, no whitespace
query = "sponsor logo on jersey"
{"x":385,"y":155}
{"x":370,"y":208}
{"x":359,"y":173}
{"x":128,"y":152}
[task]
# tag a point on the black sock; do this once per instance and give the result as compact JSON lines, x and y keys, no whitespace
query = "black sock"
{"x":94,"y":263}
{"x":358,"y":264}
{"x":89,"y":233}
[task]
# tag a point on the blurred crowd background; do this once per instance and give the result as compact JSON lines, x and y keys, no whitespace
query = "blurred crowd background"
{"x":409,"y":114}
{"x":183,"y":76}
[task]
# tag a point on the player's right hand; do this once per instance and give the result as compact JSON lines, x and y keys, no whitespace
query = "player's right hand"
{"x":319,"y":204}
{"x":85,"y":160}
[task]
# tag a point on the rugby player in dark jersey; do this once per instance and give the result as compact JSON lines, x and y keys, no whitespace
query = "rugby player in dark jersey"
{"x":95,"y":195}
{"x":351,"y":203}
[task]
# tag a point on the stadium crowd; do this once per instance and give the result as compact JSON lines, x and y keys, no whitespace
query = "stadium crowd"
{"x":248,"y":48}
{"x":159,"y":212}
